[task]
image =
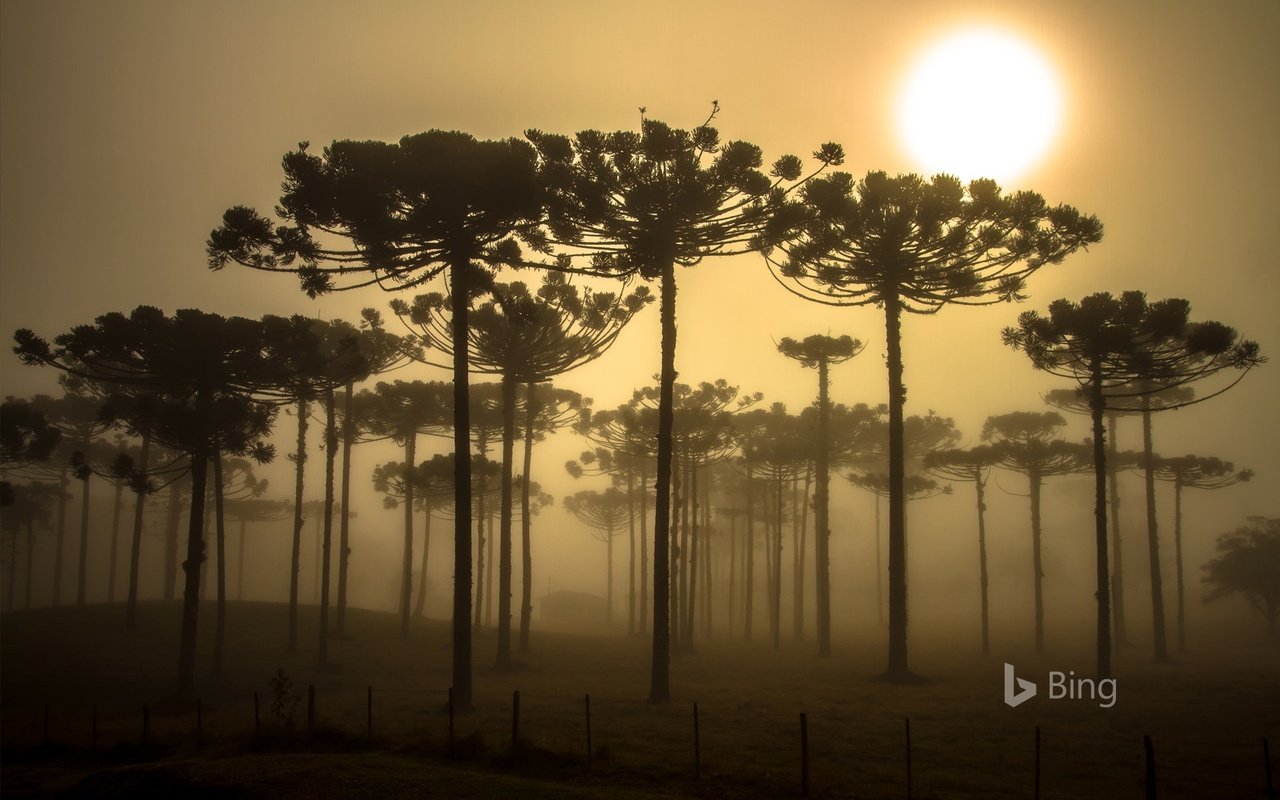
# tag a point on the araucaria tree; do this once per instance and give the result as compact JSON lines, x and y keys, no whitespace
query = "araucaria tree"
{"x":1104,"y":344}
{"x":641,"y":204}
{"x":909,"y":244}
{"x":398,"y":215}
{"x":821,"y":353}
{"x":605,"y":513}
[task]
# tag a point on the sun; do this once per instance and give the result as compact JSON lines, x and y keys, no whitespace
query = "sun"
{"x":980,"y":103}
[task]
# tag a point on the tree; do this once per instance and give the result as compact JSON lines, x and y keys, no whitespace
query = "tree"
{"x":252,"y":509}
{"x":907,"y":244}
{"x":1094,"y":343}
{"x":26,"y":435}
{"x":524,"y":338}
{"x":639,"y":204}
{"x":974,"y":465}
{"x":1192,"y":472}
{"x":29,"y":506}
{"x":1248,"y":564}
{"x":821,"y":352}
{"x":205,"y":369}
{"x":605,"y":513}
{"x":398,"y":215}
{"x":1028,"y":442}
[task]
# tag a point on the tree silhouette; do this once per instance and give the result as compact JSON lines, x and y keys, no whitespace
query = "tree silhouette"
{"x":1248,"y":564}
{"x":29,"y":507}
{"x":26,"y":435}
{"x":821,"y":352}
{"x":1191,"y":472}
{"x":525,"y":338}
{"x":974,"y":465}
{"x":1104,"y":344}
{"x":1028,"y":442}
{"x":605,"y":513}
{"x":207,"y":369}
{"x":639,"y":204}
{"x":252,"y":509}
{"x":1118,"y":350}
{"x":915,"y":245}
{"x":398,"y":215}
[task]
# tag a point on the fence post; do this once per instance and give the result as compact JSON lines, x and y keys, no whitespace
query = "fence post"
{"x":451,"y":747}
{"x":515,"y":718}
{"x":369,"y":721}
{"x":697,"y":745}
{"x":311,"y":708}
{"x":588,"y":707}
{"x":1037,"y":762}
{"x":804,"y":754}
{"x":1266,"y":760}
{"x":257,"y":720}
{"x":908,"y":722}
{"x":1151,"y":766}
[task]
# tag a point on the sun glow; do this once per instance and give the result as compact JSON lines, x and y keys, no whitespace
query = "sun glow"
{"x":979,"y":103}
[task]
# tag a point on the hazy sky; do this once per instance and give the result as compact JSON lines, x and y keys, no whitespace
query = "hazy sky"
{"x":126,"y":128}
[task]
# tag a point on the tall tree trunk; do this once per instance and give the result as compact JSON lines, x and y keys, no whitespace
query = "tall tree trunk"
{"x":733,"y":568}
{"x":31,"y":549}
{"x":330,"y":458}
{"x":419,"y":609}
{"x":806,"y":500}
{"x":172,"y":519}
{"x":9,"y":596}
{"x":300,"y":456}
{"x":692,"y":565}
{"x":481,"y":563}
{"x":777,"y":566}
{"x":526,"y":522}
{"x":1117,"y":553}
{"x":191,"y":568}
{"x":899,"y":669}
{"x":504,"y":526}
{"x":82,"y":571}
{"x":660,"y":679}
{"x":678,"y":501}
{"x":240,"y":561}
{"x":406,"y":565}
{"x":979,"y":481}
{"x":1100,"y":520}
{"x":61,"y":533}
{"x":821,"y":512}
{"x":1177,"y":561}
{"x":875,"y":498}
{"x":206,"y":527}
{"x":489,"y":566}
{"x":706,"y":559}
{"x":460,"y":302}
{"x":113,"y":559}
{"x":797,"y":607}
{"x":631,"y":552}
{"x":344,"y":525}
{"x":1153,"y":537}
{"x":135,"y":545}
{"x":1037,"y":562}
{"x":750,"y":545}
{"x":608,"y":595}
{"x":220,"y":543}
{"x":644,"y":546}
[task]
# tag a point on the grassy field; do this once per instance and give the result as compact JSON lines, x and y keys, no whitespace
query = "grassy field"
{"x":1206,"y":715}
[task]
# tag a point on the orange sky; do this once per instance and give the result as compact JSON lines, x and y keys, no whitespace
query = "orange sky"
{"x":126,"y":128}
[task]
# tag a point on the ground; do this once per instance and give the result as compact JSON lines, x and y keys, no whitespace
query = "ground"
{"x":1207,"y":715}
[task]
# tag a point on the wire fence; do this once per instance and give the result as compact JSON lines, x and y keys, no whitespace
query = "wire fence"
{"x":775,"y":753}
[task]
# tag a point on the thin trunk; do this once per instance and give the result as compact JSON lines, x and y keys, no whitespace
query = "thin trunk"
{"x":406,"y":565}
{"x":504,"y":528}
{"x":1153,"y":537}
{"x":980,"y":482}
{"x":875,"y":498}
{"x":733,"y":568}
{"x":1117,"y":553}
{"x":344,"y":525}
{"x":207,"y":526}
{"x":777,"y":566}
{"x":31,"y":549}
{"x":644,"y":546}
{"x":1177,"y":560}
{"x":678,"y":549}
{"x":419,"y":609}
{"x":898,"y":669}
{"x":1037,"y":562}
{"x":295,"y":563}
{"x":191,"y":568}
{"x":82,"y":570}
{"x":481,"y":563}
{"x":805,"y":501}
{"x":706,"y":559}
{"x":660,"y":678}
{"x":220,"y":543}
{"x":326,"y":560}
{"x":10,"y":597}
{"x":1100,"y":521}
{"x":821,"y":513}
{"x":608,"y":604}
{"x":112,"y":560}
{"x":489,"y":561}
{"x":172,"y":518}
{"x":526,"y":523}
{"x":135,"y":545}
{"x":693,"y":563}
{"x":240,"y":562}
{"x":61,"y":533}
{"x":797,"y":609}
{"x":460,"y":302}
{"x":631,"y":552}
{"x":750,"y":546}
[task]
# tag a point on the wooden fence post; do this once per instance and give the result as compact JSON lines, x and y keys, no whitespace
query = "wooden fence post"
{"x":804,"y":754}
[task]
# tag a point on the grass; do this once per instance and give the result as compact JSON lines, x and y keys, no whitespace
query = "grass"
{"x":1206,"y":714}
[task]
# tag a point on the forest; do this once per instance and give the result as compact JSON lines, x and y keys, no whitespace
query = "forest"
{"x":701,"y":509}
